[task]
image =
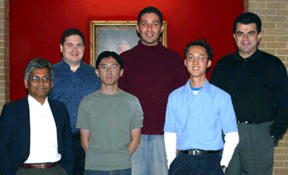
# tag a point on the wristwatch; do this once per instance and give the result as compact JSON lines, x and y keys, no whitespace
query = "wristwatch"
{"x":224,"y":168}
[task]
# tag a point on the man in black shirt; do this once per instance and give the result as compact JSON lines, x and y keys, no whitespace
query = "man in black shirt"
{"x":258,"y":84}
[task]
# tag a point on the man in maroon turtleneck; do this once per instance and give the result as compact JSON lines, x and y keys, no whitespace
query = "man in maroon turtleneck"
{"x":151,"y":73}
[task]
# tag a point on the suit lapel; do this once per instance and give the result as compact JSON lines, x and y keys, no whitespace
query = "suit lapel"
{"x":25,"y":116}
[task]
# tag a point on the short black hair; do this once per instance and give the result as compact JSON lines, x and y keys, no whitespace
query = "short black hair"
{"x":150,"y":10}
{"x":69,"y":32}
{"x":202,"y":43}
{"x":248,"y":18}
{"x":106,"y":54}
{"x":38,"y":63}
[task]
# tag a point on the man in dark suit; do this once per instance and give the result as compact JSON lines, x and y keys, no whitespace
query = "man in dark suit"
{"x":35,"y":132}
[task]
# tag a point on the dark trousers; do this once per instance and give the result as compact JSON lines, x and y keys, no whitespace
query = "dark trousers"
{"x":254,"y":154}
{"x":79,"y":155}
{"x":57,"y":170}
{"x":114,"y":172}
{"x":184,"y":164}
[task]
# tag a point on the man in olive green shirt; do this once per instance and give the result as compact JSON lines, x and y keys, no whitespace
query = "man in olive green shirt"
{"x":110,"y":121}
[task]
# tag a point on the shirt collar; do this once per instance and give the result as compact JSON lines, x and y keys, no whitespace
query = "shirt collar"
{"x":206,"y":84}
{"x":67,"y":67}
{"x":32,"y":101}
{"x":252,"y":57}
{"x":159,"y":45}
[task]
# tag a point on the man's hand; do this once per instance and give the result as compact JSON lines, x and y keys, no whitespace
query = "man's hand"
{"x":224,"y":168}
{"x":276,"y":140}
{"x":135,"y":140}
{"x":85,"y":135}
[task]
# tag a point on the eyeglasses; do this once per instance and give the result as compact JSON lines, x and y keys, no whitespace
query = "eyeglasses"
{"x":113,"y":68}
{"x":36,"y":79}
{"x":199,"y":58}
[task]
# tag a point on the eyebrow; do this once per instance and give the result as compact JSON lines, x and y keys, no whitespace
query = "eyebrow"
{"x":252,"y":31}
{"x":193,"y":54}
{"x":107,"y":64}
{"x":41,"y":76}
{"x":75,"y":43}
{"x":152,"y":21}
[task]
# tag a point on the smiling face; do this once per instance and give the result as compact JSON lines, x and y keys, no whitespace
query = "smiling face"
{"x":109,"y":72}
{"x":39,"y":84}
{"x":73,"y":49}
{"x":197,"y":61}
{"x":150,"y":29}
{"x":246,"y":38}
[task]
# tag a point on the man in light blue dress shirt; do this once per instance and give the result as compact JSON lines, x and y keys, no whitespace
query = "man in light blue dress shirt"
{"x":197,"y":114}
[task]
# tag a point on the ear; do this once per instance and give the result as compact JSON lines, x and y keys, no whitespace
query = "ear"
{"x":162,"y":28}
{"x":26,"y":84}
{"x":209,"y":63}
{"x":185,"y":62}
{"x":137,"y":28}
{"x":121,"y":72}
{"x":51,"y":85}
{"x":234,"y":36}
{"x":259,"y":36}
{"x":97,"y":72}
{"x":61,"y":48}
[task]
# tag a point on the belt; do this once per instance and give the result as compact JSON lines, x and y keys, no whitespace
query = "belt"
{"x":198,"y":152}
{"x":39,"y":165}
{"x":248,"y":122}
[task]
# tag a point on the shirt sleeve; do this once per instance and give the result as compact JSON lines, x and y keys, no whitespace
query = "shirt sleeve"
{"x":170,"y":125}
{"x":170,"y":146}
{"x":228,"y":116}
{"x":231,"y":141}
{"x":138,"y":115}
{"x":6,"y":133}
{"x":230,"y":129}
{"x":82,"y":117}
{"x":281,"y":100}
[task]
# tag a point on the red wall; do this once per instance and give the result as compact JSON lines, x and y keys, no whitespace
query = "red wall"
{"x":37,"y":25}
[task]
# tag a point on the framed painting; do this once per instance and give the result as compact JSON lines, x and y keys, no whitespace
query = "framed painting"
{"x":117,"y":36}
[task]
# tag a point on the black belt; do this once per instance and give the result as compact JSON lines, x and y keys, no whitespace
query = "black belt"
{"x":248,"y":122}
{"x":198,"y":152}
